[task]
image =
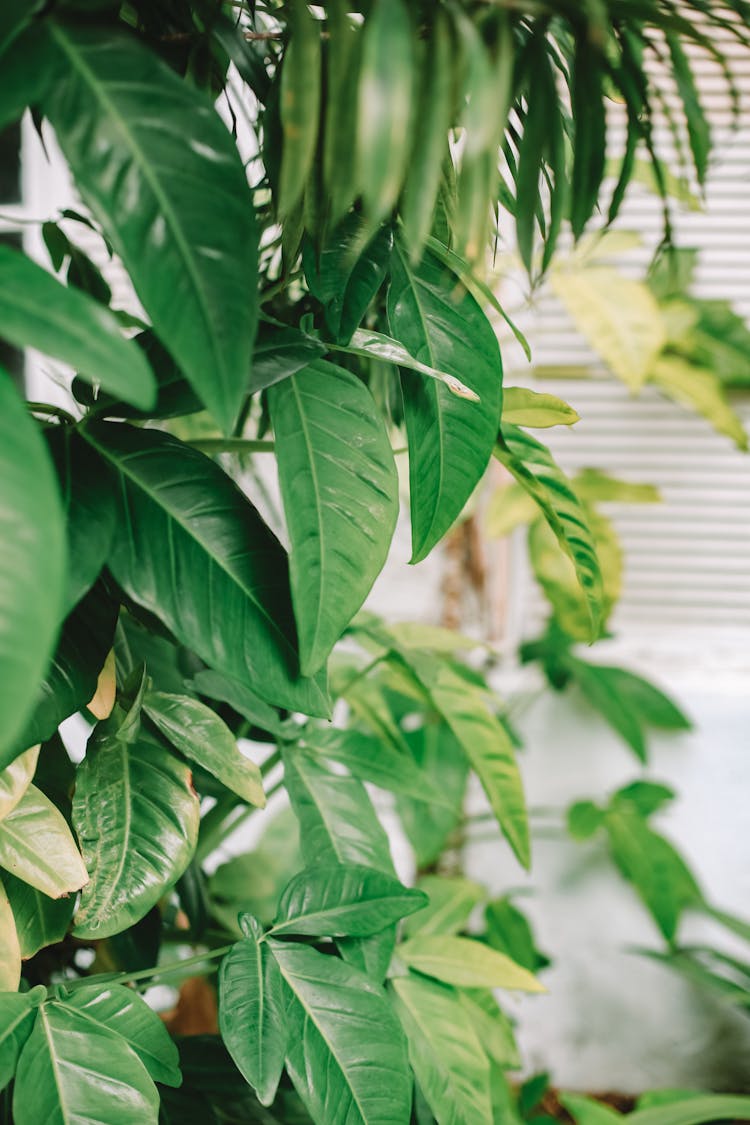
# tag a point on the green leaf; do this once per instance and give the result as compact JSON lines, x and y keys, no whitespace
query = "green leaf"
{"x":13,"y":18}
{"x":647,"y":797}
{"x":450,"y":440}
{"x":533,"y":466}
{"x":385,"y":96}
{"x":375,"y":345}
{"x":617,"y":316}
{"x":16,"y":1023}
{"x":451,"y":902}
{"x":510,"y":506}
{"x":122,"y":1010}
{"x":26,"y":63}
{"x":466,"y":963}
{"x":694,"y":1109}
{"x":10,"y":949}
{"x":89,"y":506}
{"x":252,"y":1014}
{"x":594,"y":485}
{"x":603,"y":692}
{"x":15,"y":780}
{"x":224,"y":689}
{"x":699,"y":390}
{"x":346,"y":1054}
{"x":444,"y":1051}
{"x":136,"y":815}
{"x":179,"y":215}
{"x":344,"y":277}
{"x":584,"y":819}
{"x":494,"y":1029}
{"x":589,"y":149}
{"x":70,"y":1072}
{"x":650,"y":704}
{"x":699,"y":130}
{"x":374,"y":760}
{"x":237,"y":615}
{"x":40,"y":920}
{"x":485,"y":743}
{"x":198,"y":733}
{"x":299,"y":105}
{"x":343,"y":900}
{"x":32,"y":565}
{"x":37,"y":846}
{"x":428,"y":825}
{"x":340,"y":108}
{"x":37,"y":311}
{"x":281,"y":351}
{"x":340,"y":491}
{"x":508,"y":931}
{"x":523,"y":407}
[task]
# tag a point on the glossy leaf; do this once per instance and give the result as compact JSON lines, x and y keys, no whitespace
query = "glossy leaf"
{"x":227,"y":690}
{"x":40,"y":920}
{"x":340,"y":491}
{"x":136,"y":815}
{"x":450,"y":440}
{"x":698,"y":389}
{"x":463,"y":962}
{"x":36,"y":845}
{"x":17,"y":1012}
{"x":385,"y":92}
{"x":237,"y":615}
{"x":375,"y":345}
{"x":198,"y":733}
{"x":444,"y":1051}
{"x":343,"y":899}
{"x":10,"y":949}
{"x":32,"y":566}
{"x":37,"y":311}
{"x":252,"y":1011}
{"x":71,"y":1072}
{"x":346,"y":1054}
{"x":179,"y":215}
{"x":451,"y":901}
{"x":124,"y":1011}
{"x":533,"y":466}
{"x":15,"y":780}
{"x":524,"y":407}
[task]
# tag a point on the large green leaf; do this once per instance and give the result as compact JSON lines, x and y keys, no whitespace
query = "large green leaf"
{"x":340,"y":491}
{"x":222,"y":586}
{"x":37,"y":846}
{"x":136,"y":815}
{"x":343,"y":899}
{"x":485,"y":742}
{"x":461,"y":961}
{"x":15,"y":780}
{"x":346,"y":1054}
{"x":198,"y":733}
{"x":450,"y":439}
{"x":345,"y":278}
{"x":533,"y":466}
{"x":451,"y":901}
{"x":71,"y":1072}
{"x":26,"y":61}
{"x":179,"y":214}
{"x":37,"y":311}
{"x":90,"y":509}
{"x":125,"y":1012}
{"x":32,"y":564}
{"x":40,"y":920}
{"x":16,"y":1022}
{"x":10,"y":949}
{"x":444,"y":1051}
{"x":252,"y":1013}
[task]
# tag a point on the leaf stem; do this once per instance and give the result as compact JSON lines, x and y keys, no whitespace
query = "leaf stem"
{"x":54,"y":411}
{"x":146,"y":974}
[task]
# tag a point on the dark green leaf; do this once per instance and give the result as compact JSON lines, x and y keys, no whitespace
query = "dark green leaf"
{"x":587,"y":98}
{"x":222,"y":586}
{"x":344,"y":277}
{"x":340,"y":491}
{"x":343,"y":900}
{"x":240,"y":697}
{"x":27,"y":64}
{"x":281,"y":351}
{"x":603,"y":692}
{"x":179,"y":215}
{"x":508,"y":931}
{"x":699,"y":130}
{"x":450,"y":440}
{"x":40,"y":920}
{"x":16,"y":1022}
{"x":300,"y":104}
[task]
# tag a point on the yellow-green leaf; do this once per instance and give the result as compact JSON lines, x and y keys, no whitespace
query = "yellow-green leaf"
{"x":37,"y":846}
{"x":524,"y":407}
{"x":698,"y":389}
{"x":15,"y":780}
{"x":466,"y":963}
{"x":10,"y":949}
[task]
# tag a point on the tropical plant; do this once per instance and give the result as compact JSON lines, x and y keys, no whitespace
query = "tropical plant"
{"x":309,"y":283}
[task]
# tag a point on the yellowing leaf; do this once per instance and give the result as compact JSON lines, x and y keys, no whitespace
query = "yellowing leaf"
{"x":104,"y":697}
{"x":619,"y":317}
{"x":699,"y":390}
{"x":37,"y":846}
{"x":466,"y":963}
{"x":524,"y":407}
{"x":15,"y":780}
{"x":10,"y":949}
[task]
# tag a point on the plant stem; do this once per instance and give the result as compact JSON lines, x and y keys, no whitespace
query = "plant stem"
{"x":54,"y":411}
{"x":157,"y":971}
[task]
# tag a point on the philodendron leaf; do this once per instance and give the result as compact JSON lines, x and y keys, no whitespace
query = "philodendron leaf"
{"x":32,"y":565}
{"x":343,"y":900}
{"x":10,"y":949}
{"x":37,"y":311}
{"x":524,"y":407}
{"x":180,"y":215}
{"x":346,"y":1054}
{"x":40,"y":920}
{"x":533,"y":466}
{"x":37,"y":846}
{"x":72,"y":1071}
{"x":444,"y":1051}
{"x":198,"y":733}
{"x":17,"y":1013}
{"x":467,"y":963}
{"x":252,"y":1014}
{"x":136,"y":815}
{"x":15,"y":780}
{"x":440,"y":323}
{"x":340,"y":491}
{"x":222,"y":587}
{"x":120,"y":1009}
